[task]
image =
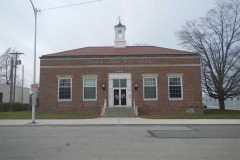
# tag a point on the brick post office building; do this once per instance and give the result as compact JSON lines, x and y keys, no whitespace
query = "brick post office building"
{"x":156,"y":80}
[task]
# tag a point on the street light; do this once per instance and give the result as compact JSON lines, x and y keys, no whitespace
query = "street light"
{"x":34,"y":65}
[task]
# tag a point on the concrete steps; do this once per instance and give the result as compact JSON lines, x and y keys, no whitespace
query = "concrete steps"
{"x":119,"y":112}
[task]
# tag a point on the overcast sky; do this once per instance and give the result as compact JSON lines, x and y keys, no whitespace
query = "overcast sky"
{"x":150,"y":22}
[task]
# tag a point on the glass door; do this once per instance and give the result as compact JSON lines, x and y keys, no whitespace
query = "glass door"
{"x":116,"y":97}
{"x":119,"y":92}
{"x":123,"y":99}
{"x":120,"y":98}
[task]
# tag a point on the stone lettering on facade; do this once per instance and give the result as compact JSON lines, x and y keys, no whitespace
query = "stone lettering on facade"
{"x":102,"y":62}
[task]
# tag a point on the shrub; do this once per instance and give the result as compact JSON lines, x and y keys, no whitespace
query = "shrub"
{"x":6,"y":107}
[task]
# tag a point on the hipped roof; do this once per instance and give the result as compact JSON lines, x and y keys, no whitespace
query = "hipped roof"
{"x":112,"y":51}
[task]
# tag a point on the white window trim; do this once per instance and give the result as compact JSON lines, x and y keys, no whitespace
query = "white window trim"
{"x":87,"y":77}
{"x":64,"y":76}
{"x":150,"y":99}
{"x":90,"y":76}
{"x":175,"y":76}
{"x":62,"y":100}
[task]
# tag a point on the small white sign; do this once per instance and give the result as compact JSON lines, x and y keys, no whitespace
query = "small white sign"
{"x":34,"y":87}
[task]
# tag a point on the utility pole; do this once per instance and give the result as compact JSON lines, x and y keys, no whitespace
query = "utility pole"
{"x":15,"y":72}
{"x":11,"y":83}
{"x":22,"y":81}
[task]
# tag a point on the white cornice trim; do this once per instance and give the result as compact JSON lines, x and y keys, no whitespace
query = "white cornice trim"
{"x":64,"y":59}
{"x":107,"y":66}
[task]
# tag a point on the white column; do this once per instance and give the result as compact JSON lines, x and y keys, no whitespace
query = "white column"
{"x":110,"y":92}
{"x":129,"y":93}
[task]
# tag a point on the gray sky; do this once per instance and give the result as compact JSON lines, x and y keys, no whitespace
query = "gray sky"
{"x":151,"y":22}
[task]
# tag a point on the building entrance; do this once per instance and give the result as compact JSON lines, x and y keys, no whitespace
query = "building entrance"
{"x":120,"y":92}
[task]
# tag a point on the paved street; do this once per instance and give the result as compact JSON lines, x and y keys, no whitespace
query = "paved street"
{"x":120,"y":142}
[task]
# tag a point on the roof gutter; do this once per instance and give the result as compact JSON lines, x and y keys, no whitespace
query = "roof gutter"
{"x":123,"y":56}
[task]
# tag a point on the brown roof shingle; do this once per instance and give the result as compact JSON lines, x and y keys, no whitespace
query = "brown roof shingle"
{"x":112,"y":51}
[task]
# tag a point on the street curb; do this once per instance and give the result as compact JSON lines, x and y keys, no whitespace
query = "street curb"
{"x":118,"y":122}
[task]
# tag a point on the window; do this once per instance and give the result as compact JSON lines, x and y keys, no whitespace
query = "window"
{"x":175,"y":88}
{"x":120,"y":83}
{"x":64,"y":89}
{"x":150,"y":88}
{"x":238,"y":98}
{"x":119,"y":33}
{"x":90,"y":89}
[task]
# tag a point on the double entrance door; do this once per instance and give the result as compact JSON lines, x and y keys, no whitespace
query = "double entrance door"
{"x":120,"y":92}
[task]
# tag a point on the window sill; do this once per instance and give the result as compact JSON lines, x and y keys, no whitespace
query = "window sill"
{"x":150,"y":99}
{"x":175,"y":99}
{"x":64,"y":100}
{"x":89,"y":100}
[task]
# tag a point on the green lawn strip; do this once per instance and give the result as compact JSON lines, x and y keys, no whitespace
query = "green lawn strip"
{"x":28,"y":115}
{"x":62,"y":116}
{"x":208,"y":114}
{"x":15,"y":115}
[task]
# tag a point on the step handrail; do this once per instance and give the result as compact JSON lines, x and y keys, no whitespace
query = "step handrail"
{"x":104,"y":107}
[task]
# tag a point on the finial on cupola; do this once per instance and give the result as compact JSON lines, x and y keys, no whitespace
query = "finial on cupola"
{"x":119,"y":19}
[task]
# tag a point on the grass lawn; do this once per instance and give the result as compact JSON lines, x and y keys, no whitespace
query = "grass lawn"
{"x":28,"y":115}
{"x":208,"y":114}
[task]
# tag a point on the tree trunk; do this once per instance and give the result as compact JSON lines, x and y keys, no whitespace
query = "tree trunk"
{"x":221,"y":104}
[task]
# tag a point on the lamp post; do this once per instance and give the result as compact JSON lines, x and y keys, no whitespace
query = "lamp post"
{"x":34,"y":65}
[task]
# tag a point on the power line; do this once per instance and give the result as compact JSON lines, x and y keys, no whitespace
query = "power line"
{"x":27,"y":73}
{"x":71,"y":5}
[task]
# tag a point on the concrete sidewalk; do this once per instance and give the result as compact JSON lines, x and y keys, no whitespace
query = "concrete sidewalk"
{"x":117,"y":121}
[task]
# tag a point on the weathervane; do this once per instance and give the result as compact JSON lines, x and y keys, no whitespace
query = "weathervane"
{"x":119,"y":19}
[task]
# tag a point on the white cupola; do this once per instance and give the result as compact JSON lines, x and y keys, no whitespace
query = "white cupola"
{"x":120,"y":41}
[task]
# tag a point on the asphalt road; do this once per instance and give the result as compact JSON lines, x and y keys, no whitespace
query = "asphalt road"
{"x":166,"y":142}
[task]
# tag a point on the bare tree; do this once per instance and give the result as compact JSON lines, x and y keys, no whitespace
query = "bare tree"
{"x":5,"y":65}
{"x":216,"y":37}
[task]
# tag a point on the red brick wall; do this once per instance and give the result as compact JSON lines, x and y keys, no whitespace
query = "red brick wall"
{"x":192,"y":94}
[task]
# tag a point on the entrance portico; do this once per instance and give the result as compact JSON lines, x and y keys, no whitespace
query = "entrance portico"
{"x":119,"y":90}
